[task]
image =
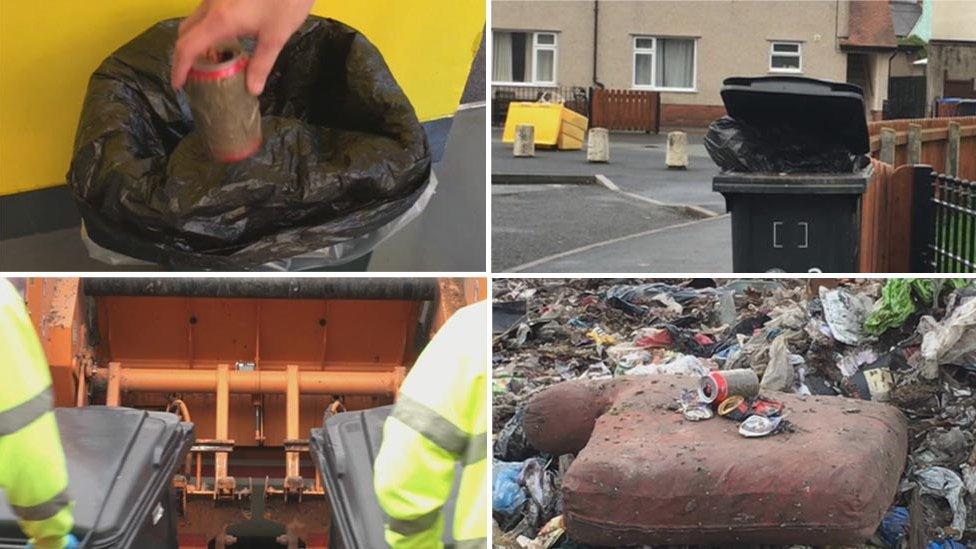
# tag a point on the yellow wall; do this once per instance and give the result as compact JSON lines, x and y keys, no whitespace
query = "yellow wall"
{"x":49,"y":48}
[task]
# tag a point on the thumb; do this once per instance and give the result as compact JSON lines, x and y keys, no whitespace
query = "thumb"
{"x":261,"y":63}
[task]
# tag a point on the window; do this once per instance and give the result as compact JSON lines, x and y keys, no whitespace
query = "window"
{"x":544,"y":58}
{"x":785,"y":57}
{"x":664,"y":63}
{"x":524,"y":57}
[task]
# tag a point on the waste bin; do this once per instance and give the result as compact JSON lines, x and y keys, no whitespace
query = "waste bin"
{"x":791,"y":220}
{"x":343,"y":451}
{"x":120,"y":471}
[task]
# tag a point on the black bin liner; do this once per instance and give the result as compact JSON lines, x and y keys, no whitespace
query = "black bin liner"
{"x":786,"y":124}
{"x":343,"y":155}
{"x":121,"y":463}
{"x":740,"y":147}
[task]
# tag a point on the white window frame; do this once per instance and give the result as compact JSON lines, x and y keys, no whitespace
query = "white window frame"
{"x":536,"y":48}
{"x":652,"y":51}
{"x":798,"y":55}
{"x":534,"y":83}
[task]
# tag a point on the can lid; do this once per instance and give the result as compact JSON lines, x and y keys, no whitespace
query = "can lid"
{"x":708,"y":389}
{"x":220,"y":62}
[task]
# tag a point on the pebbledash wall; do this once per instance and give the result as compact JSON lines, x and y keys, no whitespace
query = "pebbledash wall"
{"x":732,"y":39}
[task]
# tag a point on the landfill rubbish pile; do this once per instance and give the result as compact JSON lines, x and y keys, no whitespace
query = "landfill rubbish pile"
{"x":819,"y":351}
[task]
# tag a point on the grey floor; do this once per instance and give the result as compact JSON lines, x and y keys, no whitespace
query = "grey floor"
{"x":448,"y":236}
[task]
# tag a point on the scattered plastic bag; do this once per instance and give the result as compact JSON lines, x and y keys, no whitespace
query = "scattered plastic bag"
{"x":540,"y":484}
{"x":845,"y":314}
{"x":739,"y":147}
{"x":343,"y":156}
{"x":942,"y":482}
{"x":945,"y":544}
{"x":851,"y":361}
{"x":507,"y":496}
{"x":900,"y":298}
{"x":779,"y":372}
{"x":636,"y":300}
{"x":681,"y":365}
{"x":511,"y":444}
{"x":548,"y":536}
{"x":894,"y":526}
{"x":952,"y":341}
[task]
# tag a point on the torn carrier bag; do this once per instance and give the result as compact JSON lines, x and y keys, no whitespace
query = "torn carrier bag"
{"x":344,"y":162}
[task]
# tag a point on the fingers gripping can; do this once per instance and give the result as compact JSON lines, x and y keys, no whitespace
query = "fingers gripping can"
{"x":225,"y":113}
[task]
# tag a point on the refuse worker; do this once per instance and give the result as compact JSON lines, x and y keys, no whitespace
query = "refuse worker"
{"x":440,"y":420}
{"x":218,"y":21}
{"x":33,"y":474}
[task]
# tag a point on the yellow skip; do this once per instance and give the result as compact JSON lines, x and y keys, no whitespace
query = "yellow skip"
{"x":554,"y":124}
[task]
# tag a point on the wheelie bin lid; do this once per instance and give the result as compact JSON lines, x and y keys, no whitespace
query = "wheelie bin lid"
{"x":119,"y":462}
{"x":834,"y":111}
{"x":344,"y":450}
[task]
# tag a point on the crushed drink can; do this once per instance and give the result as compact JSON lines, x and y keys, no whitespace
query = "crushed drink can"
{"x":226,"y":114}
{"x":759,"y":426}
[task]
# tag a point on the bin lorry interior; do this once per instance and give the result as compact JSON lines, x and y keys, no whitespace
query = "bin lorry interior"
{"x":254,"y":365}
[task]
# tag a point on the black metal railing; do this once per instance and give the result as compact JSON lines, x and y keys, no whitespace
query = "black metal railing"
{"x":575,"y":98}
{"x":944,"y":228}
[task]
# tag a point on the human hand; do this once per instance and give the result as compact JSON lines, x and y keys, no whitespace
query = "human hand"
{"x":68,"y":542}
{"x":214,"y":22}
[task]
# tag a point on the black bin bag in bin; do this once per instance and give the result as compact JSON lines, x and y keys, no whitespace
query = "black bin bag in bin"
{"x":789,"y":124}
{"x":344,"y":160}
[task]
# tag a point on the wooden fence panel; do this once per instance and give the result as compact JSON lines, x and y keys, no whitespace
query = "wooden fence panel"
{"x":626,"y":110}
{"x":934,"y":141}
{"x":886,"y":220}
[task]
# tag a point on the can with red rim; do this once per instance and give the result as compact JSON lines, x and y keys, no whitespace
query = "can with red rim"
{"x":225,"y":113}
{"x":718,"y":386}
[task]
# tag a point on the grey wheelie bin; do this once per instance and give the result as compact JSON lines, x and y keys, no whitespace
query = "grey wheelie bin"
{"x":121,"y":464}
{"x":343,"y":451}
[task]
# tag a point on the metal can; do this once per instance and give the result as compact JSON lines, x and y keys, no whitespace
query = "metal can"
{"x":718,"y":386}
{"x":225,"y":113}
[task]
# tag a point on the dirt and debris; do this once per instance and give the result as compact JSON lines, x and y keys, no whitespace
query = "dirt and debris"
{"x":909,"y":343}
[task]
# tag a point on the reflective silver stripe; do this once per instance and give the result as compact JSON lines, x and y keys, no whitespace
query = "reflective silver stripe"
{"x":431,"y":425}
{"x":477,"y":449}
{"x":24,"y":414}
{"x":44,"y":510}
{"x":469,"y":544}
{"x":414,"y":526}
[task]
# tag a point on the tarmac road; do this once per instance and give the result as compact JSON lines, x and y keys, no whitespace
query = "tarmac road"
{"x":546,"y":227}
{"x":538,"y":220}
{"x":636,"y":165}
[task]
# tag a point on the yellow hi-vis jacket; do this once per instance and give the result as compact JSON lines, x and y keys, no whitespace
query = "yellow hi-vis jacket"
{"x":440,"y":420}
{"x":33,"y":474}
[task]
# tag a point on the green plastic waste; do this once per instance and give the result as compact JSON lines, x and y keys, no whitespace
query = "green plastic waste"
{"x":901,"y":297}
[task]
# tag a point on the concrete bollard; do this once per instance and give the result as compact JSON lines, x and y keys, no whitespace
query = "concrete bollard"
{"x":677,"y":155}
{"x":914,"y":144}
{"x":887,"y":152}
{"x":952,"y":150}
{"x":598,"y":145}
{"x":524,"y":141}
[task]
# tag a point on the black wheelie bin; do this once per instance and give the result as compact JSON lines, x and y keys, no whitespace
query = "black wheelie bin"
{"x":121,"y":464}
{"x":792,"y":152}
